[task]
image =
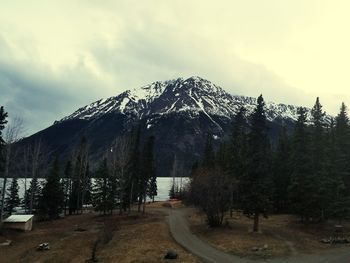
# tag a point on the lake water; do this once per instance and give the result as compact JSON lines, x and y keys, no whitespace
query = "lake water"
{"x":163,"y":184}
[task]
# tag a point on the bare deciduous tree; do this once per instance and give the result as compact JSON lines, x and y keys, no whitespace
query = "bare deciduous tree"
{"x":79,"y":180}
{"x":119,"y":161}
{"x":37,"y":159}
{"x":12,"y":135}
{"x":210,"y":191}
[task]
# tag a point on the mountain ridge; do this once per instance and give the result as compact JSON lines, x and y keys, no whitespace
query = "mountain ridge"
{"x":138,"y":101}
{"x":179,"y":113}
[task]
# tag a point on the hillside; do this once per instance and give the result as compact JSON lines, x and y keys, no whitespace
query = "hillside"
{"x":179,"y":113}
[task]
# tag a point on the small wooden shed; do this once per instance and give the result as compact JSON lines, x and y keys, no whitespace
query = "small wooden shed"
{"x":20,"y":222}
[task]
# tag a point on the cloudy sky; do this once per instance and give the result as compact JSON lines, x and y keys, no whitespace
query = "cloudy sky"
{"x":56,"y":56}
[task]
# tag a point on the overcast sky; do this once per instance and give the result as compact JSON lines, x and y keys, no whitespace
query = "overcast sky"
{"x":56,"y":56}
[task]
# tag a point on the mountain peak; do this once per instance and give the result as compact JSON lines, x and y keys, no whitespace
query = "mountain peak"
{"x":179,"y":113}
{"x":193,"y":96}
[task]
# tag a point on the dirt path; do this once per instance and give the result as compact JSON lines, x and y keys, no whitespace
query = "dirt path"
{"x":180,"y":230}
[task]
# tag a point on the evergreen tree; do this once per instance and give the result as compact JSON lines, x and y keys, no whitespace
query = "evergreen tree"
{"x":36,"y":189}
{"x":101,"y":196}
{"x":12,"y":200}
{"x":238,"y":155}
{"x":134,"y":177}
{"x":149,"y":168}
{"x":342,"y":144}
{"x":281,"y":172}
{"x":303,"y":187}
{"x":338,"y":201}
{"x":256,"y":182}
{"x":339,"y":166}
{"x":146,"y":171}
{"x":319,"y":162}
{"x":222,"y":157}
{"x":153,"y":189}
{"x":239,"y":143}
{"x":51,"y":201}
{"x":317,"y":138}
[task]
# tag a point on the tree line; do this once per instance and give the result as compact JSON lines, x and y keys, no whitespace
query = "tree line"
{"x":306,"y":172}
{"x":125,"y":175}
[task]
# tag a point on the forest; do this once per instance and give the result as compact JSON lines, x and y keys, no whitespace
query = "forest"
{"x":307,"y":173}
{"x":124,"y":176}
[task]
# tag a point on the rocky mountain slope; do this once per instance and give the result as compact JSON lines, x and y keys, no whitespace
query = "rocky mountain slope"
{"x":191,"y":96}
{"x":179,"y":112}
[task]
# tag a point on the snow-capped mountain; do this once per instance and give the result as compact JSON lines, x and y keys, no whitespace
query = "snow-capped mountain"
{"x":191,"y":96}
{"x":179,"y":113}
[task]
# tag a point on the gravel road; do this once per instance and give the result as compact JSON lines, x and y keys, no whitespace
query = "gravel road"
{"x":180,"y":231}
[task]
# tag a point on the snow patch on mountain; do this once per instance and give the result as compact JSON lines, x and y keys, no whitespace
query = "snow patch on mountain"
{"x":192,"y":95}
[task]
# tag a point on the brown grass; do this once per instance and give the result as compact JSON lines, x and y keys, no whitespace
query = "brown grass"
{"x":145,"y":241}
{"x":282,"y":233}
{"x":122,"y":239}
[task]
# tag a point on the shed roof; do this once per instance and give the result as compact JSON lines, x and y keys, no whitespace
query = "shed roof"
{"x":18,"y":218}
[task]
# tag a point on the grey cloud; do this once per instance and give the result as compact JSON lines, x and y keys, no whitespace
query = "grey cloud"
{"x":39,"y":96}
{"x":154,"y":52}
{"x":145,"y":49}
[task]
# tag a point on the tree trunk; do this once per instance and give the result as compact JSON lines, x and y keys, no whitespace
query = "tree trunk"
{"x":84,"y":180}
{"x":231,"y":202}
{"x":144,"y":204}
{"x":256,"y":222}
{"x":131,"y":196}
{"x":139,"y":203}
{"x":7,"y":160}
{"x":78,"y":190}
{"x":35,"y":164}
{"x":3,"y":198}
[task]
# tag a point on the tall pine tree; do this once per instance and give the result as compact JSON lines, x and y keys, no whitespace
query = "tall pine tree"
{"x":149,"y":168}
{"x":340,"y":168}
{"x":238,"y":154}
{"x":12,"y":200}
{"x":342,"y":144}
{"x":281,"y":172}
{"x":256,"y":182}
{"x":302,"y":188}
{"x":338,"y":201}
{"x":36,"y":189}
{"x":321,"y":192}
{"x":147,"y":171}
{"x":51,"y":201}
{"x":103,"y":189}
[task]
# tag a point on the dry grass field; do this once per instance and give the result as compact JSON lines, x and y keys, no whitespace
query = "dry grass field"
{"x":282,"y":234}
{"x":146,"y":238}
{"x":122,"y":239}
